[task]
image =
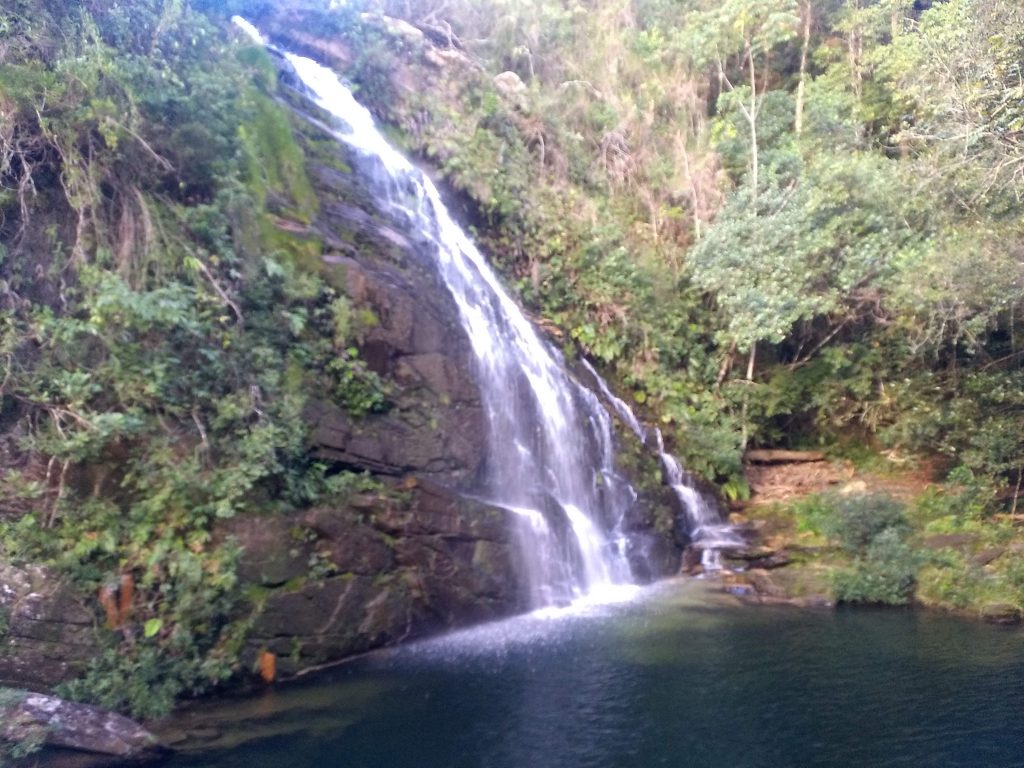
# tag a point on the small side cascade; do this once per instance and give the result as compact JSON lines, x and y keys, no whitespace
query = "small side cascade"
{"x":618,"y":404}
{"x":708,"y":532}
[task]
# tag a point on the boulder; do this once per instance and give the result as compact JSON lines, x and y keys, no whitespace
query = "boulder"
{"x":53,"y":722}
{"x":987,"y":556}
{"x":401,"y":566}
{"x":395,"y":27}
{"x":511,"y":88}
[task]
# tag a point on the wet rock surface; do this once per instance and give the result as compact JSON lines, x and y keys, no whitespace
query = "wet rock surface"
{"x":54,"y":722}
{"x":47,"y":631}
{"x":407,"y":331}
{"x":383,"y":570}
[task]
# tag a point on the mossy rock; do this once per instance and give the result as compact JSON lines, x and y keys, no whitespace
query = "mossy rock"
{"x":1002,"y":613}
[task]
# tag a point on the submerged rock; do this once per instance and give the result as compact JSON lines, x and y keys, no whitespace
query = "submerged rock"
{"x":1001,"y":613}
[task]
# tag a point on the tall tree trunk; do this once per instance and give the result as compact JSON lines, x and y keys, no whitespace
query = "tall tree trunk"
{"x":798,"y":122}
{"x":694,"y":193}
{"x":745,"y":433}
{"x":855,"y":56}
{"x":752,"y":119}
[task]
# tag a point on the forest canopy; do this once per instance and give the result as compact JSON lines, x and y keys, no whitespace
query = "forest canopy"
{"x":782,"y":223}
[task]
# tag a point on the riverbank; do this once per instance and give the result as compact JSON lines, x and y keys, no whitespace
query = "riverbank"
{"x":827,"y":531}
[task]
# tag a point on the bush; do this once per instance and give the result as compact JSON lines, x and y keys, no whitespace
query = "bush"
{"x":812,"y":513}
{"x":886,"y":574}
{"x":143,"y":682}
{"x":872,"y":528}
{"x":859,"y":520}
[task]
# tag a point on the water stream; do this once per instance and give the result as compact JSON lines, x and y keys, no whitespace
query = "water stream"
{"x":708,"y":532}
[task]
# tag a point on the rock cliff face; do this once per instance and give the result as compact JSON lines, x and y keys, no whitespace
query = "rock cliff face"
{"x":376,"y":573}
{"x":416,"y":555}
{"x":422,"y":556}
{"x":46,"y":628}
{"x":407,"y":327}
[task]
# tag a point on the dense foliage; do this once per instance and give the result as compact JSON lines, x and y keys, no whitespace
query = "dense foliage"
{"x":941,"y":547}
{"x":159,"y":333}
{"x":774,"y":222}
{"x":778,"y":223}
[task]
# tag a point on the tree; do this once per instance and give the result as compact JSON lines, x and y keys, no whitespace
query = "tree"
{"x":962,"y":66}
{"x":748,"y":30}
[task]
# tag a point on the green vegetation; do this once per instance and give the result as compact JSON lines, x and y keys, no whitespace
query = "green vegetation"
{"x":873,"y":529}
{"x":783,"y":223}
{"x":776,"y":223}
{"x":160,"y":334}
{"x":942,"y":548}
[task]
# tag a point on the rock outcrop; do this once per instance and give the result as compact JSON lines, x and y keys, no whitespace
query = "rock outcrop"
{"x":52,"y":722}
{"x":408,"y":333}
{"x":46,"y":628}
{"x":374,"y":573}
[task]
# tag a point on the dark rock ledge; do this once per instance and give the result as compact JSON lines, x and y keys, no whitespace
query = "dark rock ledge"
{"x":94,"y":736}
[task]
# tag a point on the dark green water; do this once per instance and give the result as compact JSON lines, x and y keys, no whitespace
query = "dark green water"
{"x":679,"y":678}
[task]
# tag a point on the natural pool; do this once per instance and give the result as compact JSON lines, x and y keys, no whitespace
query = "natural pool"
{"x":677,"y":677}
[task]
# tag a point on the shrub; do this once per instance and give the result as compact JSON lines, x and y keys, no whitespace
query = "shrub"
{"x":886,"y":574}
{"x":143,"y":683}
{"x":858,"y":520}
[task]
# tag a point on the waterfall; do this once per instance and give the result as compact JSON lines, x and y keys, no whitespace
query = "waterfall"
{"x":550,"y":451}
{"x":550,"y":459}
{"x":704,"y":523}
{"x":707,"y":531}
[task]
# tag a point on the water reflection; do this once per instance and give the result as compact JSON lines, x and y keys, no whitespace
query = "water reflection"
{"x":676,"y":678}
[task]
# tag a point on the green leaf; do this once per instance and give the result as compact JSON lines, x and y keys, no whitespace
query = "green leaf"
{"x":152,"y":627}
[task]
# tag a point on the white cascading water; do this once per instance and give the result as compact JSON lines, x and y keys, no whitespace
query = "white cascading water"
{"x":618,"y":404}
{"x":704,"y":523}
{"x":550,"y":440}
{"x":705,"y":527}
